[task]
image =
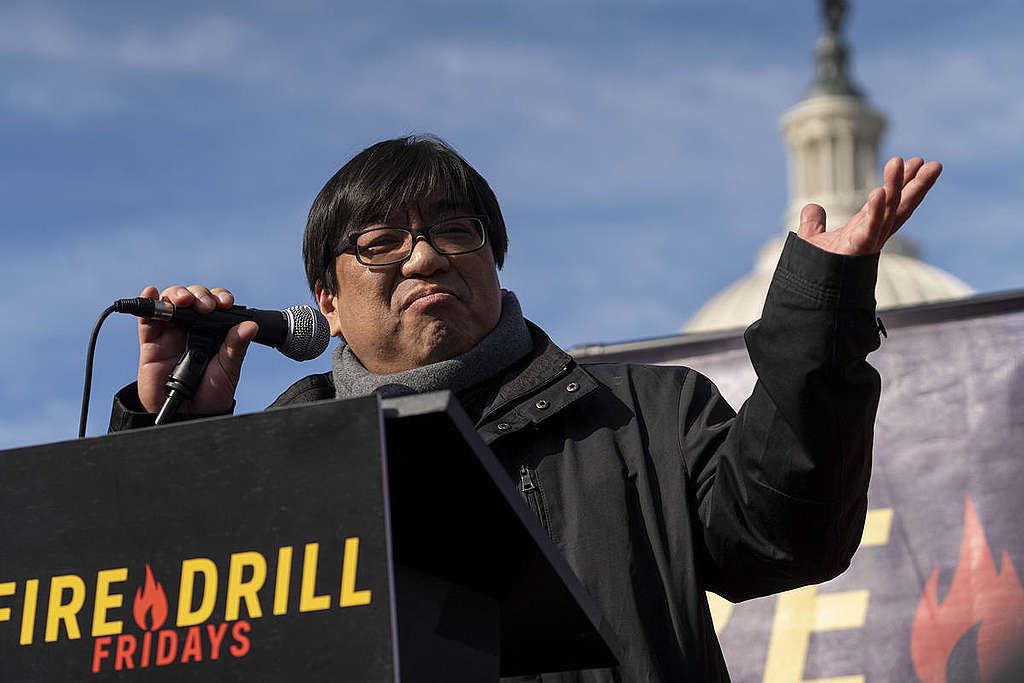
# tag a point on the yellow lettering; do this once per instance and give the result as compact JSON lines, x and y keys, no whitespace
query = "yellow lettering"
{"x":106,"y":601}
{"x":308,"y":599}
{"x":67,"y":612}
{"x":6,"y":588}
{"x":877,"y":525}
{"x":721,"y":610}
{"x":284,"y":574}
{"x":797,"y":614}
{"x":239,"y":590}
{"x":876,"y":528}
{"x":350,"y":597}
{"x":189,"y":569}
{"x":28,"y":611}
{"x":800,"y":612}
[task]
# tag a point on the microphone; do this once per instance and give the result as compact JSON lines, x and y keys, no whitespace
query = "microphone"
{"x":299,"y":332}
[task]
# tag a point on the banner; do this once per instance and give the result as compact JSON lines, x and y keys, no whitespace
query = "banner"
{"x":934,"y":592}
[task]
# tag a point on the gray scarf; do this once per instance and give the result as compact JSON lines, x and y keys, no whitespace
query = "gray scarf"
{"x":509,"y":341}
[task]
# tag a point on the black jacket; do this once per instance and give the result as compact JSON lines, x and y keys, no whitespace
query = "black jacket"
{"x":655,"y":490}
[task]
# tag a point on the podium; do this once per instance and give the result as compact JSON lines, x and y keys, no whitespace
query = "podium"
{"x":357,"y":540}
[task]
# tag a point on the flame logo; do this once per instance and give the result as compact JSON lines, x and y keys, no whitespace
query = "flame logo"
{"x":978,"y":594}
{"x":151,"y":600}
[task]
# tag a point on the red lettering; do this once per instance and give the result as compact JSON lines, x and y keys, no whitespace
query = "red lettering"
{"x":166,"y":647}
{"x":216,"y":634}
{"x":147,"y":644}
{"x":192,"y":650}
{"x":99,"y":652}
{"x":242,"y":648}
{"x":125,"y":650}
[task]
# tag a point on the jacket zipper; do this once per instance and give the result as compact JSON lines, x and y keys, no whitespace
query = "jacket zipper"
{"x":528,"y":487}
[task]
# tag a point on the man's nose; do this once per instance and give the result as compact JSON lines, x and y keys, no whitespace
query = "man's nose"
{"x":424,"y":260}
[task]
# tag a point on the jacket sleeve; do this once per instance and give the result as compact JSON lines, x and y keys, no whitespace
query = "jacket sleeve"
{"x":128,"y":413}
{"x":781,"y":489}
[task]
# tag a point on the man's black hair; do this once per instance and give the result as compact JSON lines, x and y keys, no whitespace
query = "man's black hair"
{"x":382,"y":181}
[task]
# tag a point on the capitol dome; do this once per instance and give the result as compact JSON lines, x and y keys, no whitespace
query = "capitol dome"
{"x":832,"y":137}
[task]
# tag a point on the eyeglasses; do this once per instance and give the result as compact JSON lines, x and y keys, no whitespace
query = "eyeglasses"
{"x":387,"y":245}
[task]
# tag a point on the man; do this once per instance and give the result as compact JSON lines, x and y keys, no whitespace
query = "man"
{"x":646,"y":480}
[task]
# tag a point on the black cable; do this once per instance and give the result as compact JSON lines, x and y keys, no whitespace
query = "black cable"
{"x":87,"y":389}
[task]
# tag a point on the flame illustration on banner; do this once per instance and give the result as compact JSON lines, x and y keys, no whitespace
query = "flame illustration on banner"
{"x":978,"y":594}
{"x":152,"y":600}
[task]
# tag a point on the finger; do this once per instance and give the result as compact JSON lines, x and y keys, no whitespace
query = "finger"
{"x":225,"y":299}
{"x":915,"y":191}
{"x":867,"y":235}
{"x":149,"y":330}
{"x":228,"y":364}
{"x":243,"y":334}
{"x":893,"y":185}
{"x":911,"y":168}
{"x":812,"y":221}
{"x":236,"y":343}
{"x":205,"y":301}
{"x":178,"y":295}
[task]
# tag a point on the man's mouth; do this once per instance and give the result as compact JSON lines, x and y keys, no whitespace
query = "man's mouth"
{"x":424,"y":297}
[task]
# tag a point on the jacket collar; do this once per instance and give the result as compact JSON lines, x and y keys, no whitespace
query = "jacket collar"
{"x":542,"y":384}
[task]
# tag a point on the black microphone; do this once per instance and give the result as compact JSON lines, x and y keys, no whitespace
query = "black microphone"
{"x":299,"y":332}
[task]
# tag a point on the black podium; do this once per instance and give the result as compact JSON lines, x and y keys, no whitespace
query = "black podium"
{"x":346,"y":540}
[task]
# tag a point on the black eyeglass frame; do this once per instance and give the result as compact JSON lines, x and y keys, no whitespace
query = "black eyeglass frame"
{"x":350,"y":241}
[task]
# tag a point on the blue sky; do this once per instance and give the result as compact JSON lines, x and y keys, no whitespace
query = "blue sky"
{"x":633,"y":146}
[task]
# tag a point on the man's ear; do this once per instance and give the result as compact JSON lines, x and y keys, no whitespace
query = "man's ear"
{"x":328,"y":305}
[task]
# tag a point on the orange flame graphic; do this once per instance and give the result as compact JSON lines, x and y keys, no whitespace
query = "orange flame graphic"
{"x":978,"y":594}
{"x":151,"y":600}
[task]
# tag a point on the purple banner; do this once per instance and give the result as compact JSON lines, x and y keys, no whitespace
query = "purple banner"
{"x":934,"y":592}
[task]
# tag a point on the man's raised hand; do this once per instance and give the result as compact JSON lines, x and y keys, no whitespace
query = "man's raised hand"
{"x":887,"y":208}
{"x":161,"y":344}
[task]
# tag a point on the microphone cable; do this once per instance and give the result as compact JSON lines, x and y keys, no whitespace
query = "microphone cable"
{"x":87,"y":389}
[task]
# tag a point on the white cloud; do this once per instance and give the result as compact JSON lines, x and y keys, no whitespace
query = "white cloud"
{"x":628,"y":122}
{"x":195,"y":46}
{"x":605,"y":132}
{"x":71,"y":74}
{"x":62,"y":101}
{"x":201,"y":43}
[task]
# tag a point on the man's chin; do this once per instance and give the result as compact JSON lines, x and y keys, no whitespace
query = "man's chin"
{"x":440,"y":342}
